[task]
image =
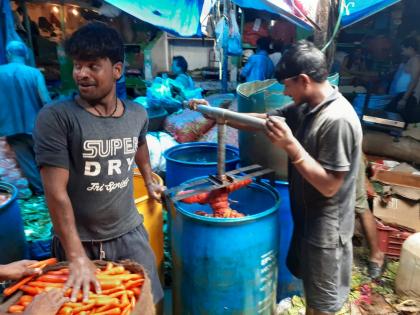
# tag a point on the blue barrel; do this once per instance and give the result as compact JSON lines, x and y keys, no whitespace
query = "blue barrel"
{"x":287,"y":285}
{"x":193,"y":159}
{"x":12,"y":236}
{"x":227,"y":266}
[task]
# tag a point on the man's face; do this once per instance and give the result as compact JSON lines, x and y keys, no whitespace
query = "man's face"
{"x":294,"y":87}
{"x":96,"y":79}
{"x":175,"y":68}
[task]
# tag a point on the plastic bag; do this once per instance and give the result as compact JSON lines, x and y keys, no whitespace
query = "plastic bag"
{"x":235,"y":41}
{"x":158,"y":143}
{"x":220,"y":32}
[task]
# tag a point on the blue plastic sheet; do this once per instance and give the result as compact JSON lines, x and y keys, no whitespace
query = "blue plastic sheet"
{"x":179,"y":17}
{"x":357,"y":10}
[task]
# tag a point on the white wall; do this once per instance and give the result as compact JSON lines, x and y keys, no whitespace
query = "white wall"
{"x":195,"y":51}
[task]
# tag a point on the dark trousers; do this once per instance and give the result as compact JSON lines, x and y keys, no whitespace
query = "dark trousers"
{"x":23,"y":146}
{"x":411,"y":111}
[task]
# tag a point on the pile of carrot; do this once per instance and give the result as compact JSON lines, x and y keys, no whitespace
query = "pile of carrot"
{"x":218,"y":200}
{"x":120,"y":291}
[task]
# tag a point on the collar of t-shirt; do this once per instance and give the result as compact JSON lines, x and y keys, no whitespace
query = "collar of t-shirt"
{"x":335,"y":94}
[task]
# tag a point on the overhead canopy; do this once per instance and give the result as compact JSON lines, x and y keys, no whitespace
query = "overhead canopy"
{"x":182,"y":17}
{"x":296,"y":11}
{"x":357,"y":10}
{"x":179,"y":17}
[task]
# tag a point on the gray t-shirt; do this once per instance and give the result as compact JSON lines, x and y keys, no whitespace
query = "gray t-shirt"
{"x":99,"y":154}
{"x":331,"y":133}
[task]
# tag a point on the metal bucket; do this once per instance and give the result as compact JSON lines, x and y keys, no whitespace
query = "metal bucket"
{"x":227,"y":266}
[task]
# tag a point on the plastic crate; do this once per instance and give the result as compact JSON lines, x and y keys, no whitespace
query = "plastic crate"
{"x":391,"y":239}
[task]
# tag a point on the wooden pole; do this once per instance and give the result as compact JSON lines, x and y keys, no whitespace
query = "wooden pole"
{"x":326,"y":19}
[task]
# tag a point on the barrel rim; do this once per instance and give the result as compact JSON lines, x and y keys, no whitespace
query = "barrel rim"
{"x":229,"y":221}
{"x":187,"y":145}
{"x":10,"y":189}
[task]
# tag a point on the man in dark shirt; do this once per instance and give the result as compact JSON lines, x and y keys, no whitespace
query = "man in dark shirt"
{"x":85,"y":148}
{"x":322,"y":137}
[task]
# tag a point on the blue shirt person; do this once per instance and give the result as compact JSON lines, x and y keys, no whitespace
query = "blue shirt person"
{"x":23,"y":93}
{"x":259,"y":65}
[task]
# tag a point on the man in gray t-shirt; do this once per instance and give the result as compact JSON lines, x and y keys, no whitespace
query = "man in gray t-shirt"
{"x":322,"y":137}
{"x":86,"y":149}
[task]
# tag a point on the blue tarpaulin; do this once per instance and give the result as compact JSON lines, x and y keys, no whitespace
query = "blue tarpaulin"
{"x":357,"y":10}
{"x":182,"y":17}
{"x":179,"y":17}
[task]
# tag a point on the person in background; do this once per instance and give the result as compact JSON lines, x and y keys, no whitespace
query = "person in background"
{"x":354,"y":65}
{"x":322,"y":137}
{"x":259,"y":66}
{"x":275,"y":56}
{"x":47,"y":303}
{"x":180,"y":68}
{"x":86,"y":148}
{"x":23,"y":93}
{"x":376,"y":261}
{"x":406,"y":83}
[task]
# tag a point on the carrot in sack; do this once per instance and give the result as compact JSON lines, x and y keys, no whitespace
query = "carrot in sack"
{"x":113,"y":311}
{"x":53,"y":278}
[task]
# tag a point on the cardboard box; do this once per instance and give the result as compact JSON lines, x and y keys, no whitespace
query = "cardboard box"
{"x":401,"y":206}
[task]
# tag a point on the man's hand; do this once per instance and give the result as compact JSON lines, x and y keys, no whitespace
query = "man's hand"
{"x":46,"y":303}
{"x":279,"y":132}
{"x":194,"y":102}
{"x":82,"y":275}
{"x":18,"y":269}
{"x":155,"y":191}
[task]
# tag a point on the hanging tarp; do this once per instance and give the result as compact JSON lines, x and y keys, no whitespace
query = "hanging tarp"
{"x":7,"y":28}
{"x":299,"y":12}
{"x":178,"y":17}
{"x":357,"y":10}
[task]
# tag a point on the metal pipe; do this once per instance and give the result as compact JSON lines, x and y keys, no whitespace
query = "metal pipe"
{"x":221,"y":152}
{"x":221,"y":114}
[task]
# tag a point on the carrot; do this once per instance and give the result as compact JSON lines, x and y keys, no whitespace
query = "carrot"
{"x":133,"y":301}
{"x":31,"y":290}
{"x":126,"y":310}
{"x":46,"y":262}
{"x":83,"y":308}
{"x":66,"y":310}
{"x":113,"y":311}
{"x":104,"y":308}
{"x":134,"y":283}
{"x":109,"y":266}
{"x":109,"y":283}
{"x":53,"y":278}
{"x":105,"y":300}
{"x":121,"y":277}
{"x":16,"y":309}
{"x":12,"y":289}
{"x":64,"y":271}
{"x":136,"y":291}
{"x":117,"y":294}
{"x":113,"y":290}
{"x":40,"y":284}
{"x":114,"y":271}
{"x":124,"y":300}
{"x":26,"y":298}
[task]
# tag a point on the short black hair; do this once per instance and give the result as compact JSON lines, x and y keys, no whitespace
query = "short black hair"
{"x":95,"y":40}
{"x":181,"y":62}
{"x":263,"y":43}
{"x":302,"y":58}
{"x":410,"y":42}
